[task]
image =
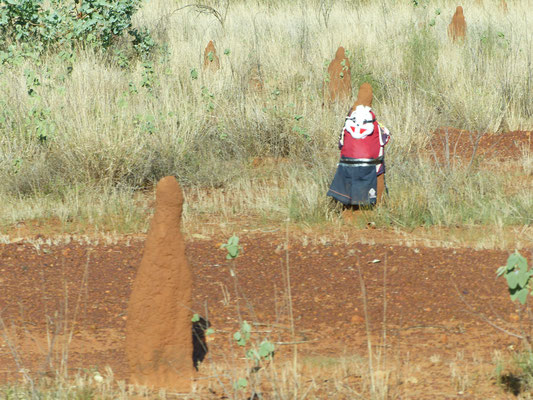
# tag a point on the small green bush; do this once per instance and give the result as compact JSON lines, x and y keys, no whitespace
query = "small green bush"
{"x":517,"y":274}
{"x":38,"y":25}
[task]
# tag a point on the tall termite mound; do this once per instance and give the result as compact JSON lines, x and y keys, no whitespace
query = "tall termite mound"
{"x":338,"y":83}
{"x":211,"y":61}
{"x":364,"y":96}
{"x":159,"y":327}
{"x":457,"y":28}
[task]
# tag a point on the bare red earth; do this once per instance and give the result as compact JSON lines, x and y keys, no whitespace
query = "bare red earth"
{"x":457,"y":145}
{"x":424,"y":287}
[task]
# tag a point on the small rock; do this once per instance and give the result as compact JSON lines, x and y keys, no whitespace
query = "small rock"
{"x":514,"y":317}
{"x":199,"y":236}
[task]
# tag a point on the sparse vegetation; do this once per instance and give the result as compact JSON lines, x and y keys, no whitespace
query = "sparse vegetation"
{"x":89,"y":123}
{"x":99,"y":99}
{"x":518,"y":274}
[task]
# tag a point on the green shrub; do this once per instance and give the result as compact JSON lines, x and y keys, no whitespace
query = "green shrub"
{"x":517,"y":274}
{"x":39,"y":25}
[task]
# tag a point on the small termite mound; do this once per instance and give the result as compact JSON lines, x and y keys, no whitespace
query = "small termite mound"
{"x":337,"y":85}
{"x":211,"y":60}
{"x":364,"y":97}
{"x":457,"y":28}
{"x":503,"y":6}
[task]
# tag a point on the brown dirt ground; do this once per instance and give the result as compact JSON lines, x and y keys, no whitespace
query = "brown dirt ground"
{"x":494,"y":147}
{"x":428,"y":325}
{"x":440,"y":348}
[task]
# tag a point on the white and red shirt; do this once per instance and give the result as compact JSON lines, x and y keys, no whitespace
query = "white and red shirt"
{"x":362,"y":138}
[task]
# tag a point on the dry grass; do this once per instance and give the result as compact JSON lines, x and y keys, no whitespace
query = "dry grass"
{"x":109,"y":136}
{"x":332,"y":378}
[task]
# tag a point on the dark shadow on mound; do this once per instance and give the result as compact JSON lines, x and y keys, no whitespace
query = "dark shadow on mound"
{"x":199,"y":344}
{"x":512,"y":383}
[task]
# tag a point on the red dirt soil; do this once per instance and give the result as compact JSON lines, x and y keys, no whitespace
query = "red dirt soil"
{"x":460,"y":145}
{"x":427,"y":321}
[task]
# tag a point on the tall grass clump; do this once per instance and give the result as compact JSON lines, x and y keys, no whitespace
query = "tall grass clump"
{"x":455,"y":197}
{"x":116,"y":117}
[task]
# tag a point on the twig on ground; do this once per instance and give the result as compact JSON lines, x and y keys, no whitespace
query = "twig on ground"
{"x":297,"y":342}
{"x":367,"y":327}
{"x":16,"y":357}
{"x":483,"y":317}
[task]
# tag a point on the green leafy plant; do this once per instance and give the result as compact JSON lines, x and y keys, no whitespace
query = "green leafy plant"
{"x":420,"y":3}
{"x":145,"y":123}
{"x":132,"y":88}
{"x":241,"y":383}
{"x":143,"y":43}
{"x":39,"y":121}
{"x":208,"y":98}
{"x":232,"y":246}
{"x":148,"y":76}
{"x":243,"y":335}
{"x":33,"y":26}
{"x":32,"y":81}
{"x":517,"y":274}
{"x":265,"y":351}
{"x":301,"y":131}
{"x":255,"y":353}
{"x":196,"y":318}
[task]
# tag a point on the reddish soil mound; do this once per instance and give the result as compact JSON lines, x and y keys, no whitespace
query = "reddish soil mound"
{"x":255,"y":80}
{"x":503,"y":6}
{"x":211,"y":60}
{"x":159,"y":328}
{"x":457,"y":28}
{"x":364,"y":97}
{"x":454,"y":144}
{"x":339,"y":85}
